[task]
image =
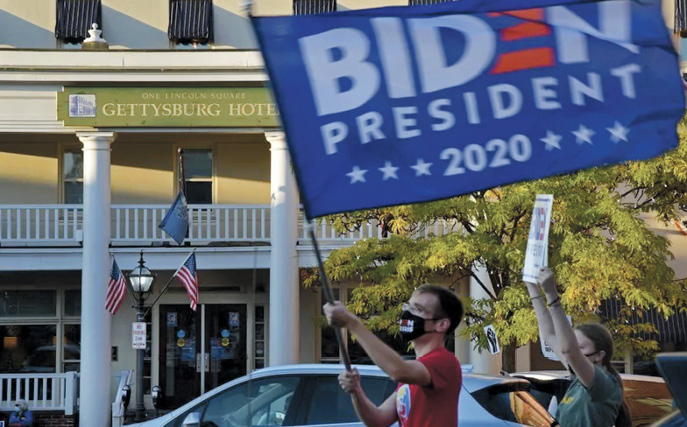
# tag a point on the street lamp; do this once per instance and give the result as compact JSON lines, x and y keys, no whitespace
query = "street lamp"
{"x":141,"y":279}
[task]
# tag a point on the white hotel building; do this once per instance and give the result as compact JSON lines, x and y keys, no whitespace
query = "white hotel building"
{"x":77,"y":188}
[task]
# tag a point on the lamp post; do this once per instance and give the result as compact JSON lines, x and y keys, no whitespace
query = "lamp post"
{"x":141,"y":279}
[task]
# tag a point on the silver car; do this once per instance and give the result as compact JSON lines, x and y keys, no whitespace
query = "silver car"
{"x":309,"y":395}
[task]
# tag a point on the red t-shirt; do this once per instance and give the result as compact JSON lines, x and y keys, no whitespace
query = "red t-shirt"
{"x":437,"y":404}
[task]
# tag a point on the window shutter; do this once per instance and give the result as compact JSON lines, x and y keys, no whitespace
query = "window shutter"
{"x":425,"y":2}
{"x":309,"y":7}
{"x":190,"y":21}
{"x":74,"y":19}
{"x":681,"y":17}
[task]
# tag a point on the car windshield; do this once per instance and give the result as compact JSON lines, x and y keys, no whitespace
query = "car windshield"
{"x":512,"y":402}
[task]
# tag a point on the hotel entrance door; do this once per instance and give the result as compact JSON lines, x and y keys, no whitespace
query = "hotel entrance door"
{"x":200,"y":350}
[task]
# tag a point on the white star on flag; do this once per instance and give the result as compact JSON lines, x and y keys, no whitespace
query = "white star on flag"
{"x":357,"y":174}
{"x":618,"y":132}
{"x":584,"y":135}
{"x":389,"y":171}
{"x":552,"y":140}
{"x":422,"y":167}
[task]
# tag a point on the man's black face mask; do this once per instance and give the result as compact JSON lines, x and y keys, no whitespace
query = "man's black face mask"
{"x":413,"y":326}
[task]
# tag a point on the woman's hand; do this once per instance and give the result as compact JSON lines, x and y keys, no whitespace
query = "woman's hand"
{"x":548,"y":283}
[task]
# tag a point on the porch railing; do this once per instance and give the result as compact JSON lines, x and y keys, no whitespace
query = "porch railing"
{"x":327,"y":234}
{"x":43,"y":392}
{"x":135,"y":224}
{"x":44,"y":224}
{"x":61,"y":225}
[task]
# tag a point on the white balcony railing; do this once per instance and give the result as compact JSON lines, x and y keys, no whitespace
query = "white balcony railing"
{"x":131,"y":225}
{"x":43,"y":392}
{"x":327,"y":234}
{"x":61,"y":225}
{"x":138,"y":224}
{"x":44,"y":224}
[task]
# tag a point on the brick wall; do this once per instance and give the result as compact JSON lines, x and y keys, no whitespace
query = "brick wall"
{"x":54,"y":419}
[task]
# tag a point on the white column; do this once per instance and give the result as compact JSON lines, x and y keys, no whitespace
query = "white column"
{"x":95,"y":405}
{"x":483,"y":361}
{"x":284,"y":327}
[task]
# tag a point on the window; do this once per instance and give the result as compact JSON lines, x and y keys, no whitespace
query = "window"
{"x":72,"y":303}
{"x":198,"y":174}
{"x":259,"y":336}
{"x":28,"y":303}
{"x":329,"y":348}
{"x":74,"y":19}
{"x":262,"y":402}
{"x":71,"y":350}
{"x":72,"y":176}
{"x":331,"y":405}
{"x":27,"y":348}
{"x":34,"y":335}
{"x":509,"y":402}
{"x":309,"y":7}
{"x":190,"y":21}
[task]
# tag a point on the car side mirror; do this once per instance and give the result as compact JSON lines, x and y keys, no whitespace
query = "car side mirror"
{"x":192,"y":420}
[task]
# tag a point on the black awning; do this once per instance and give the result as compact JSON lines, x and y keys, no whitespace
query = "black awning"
{"x":190,"y":21}
{"x":680,"y":16}
{"x":310,"y":7}
{"x":74,"y":19}
{"x":672,"y":329}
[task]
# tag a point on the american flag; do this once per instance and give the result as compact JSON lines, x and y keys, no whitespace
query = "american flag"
{"x":187,"y":275}
{"x":116,"y":289}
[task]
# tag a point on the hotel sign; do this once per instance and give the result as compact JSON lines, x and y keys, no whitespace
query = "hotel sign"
{"x":167,"y":107}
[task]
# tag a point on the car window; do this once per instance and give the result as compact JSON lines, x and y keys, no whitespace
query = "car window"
{"x":330,"y":404}
{"x":513,"y":404}
{"x":262,"y":402}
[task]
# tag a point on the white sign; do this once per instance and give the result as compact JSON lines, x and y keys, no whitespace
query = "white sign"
{"x":547,"y":351}
{"x":138,"y":335}
{"x":492,"y":340}
{"x":537,"y":255}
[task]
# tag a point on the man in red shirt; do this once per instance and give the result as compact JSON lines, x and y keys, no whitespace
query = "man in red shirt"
{"x":427,"y":394}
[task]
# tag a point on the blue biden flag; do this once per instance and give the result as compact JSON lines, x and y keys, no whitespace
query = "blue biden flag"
{"x":175,"y":222}
{"x":408,"y":104}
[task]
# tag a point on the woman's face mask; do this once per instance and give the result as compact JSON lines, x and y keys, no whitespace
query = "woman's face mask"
{"x":16,"y":408}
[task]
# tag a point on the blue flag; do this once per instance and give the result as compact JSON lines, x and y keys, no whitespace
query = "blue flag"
{"x":175,"y":222}
{"x":409,"y":104}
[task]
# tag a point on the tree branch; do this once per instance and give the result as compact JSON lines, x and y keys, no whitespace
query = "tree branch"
{"x":482,"y":285}
{"x":515,"y":225}
{"x":633,"y":190}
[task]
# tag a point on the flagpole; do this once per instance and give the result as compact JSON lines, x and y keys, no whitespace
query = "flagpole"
{"x":169,"y":281}
{"x":247,"y":9}
{"x":328,"y":293}
{"x":181,"y":175}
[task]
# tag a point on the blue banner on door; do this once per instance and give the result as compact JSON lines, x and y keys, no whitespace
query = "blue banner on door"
{"x":408,"y":104}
